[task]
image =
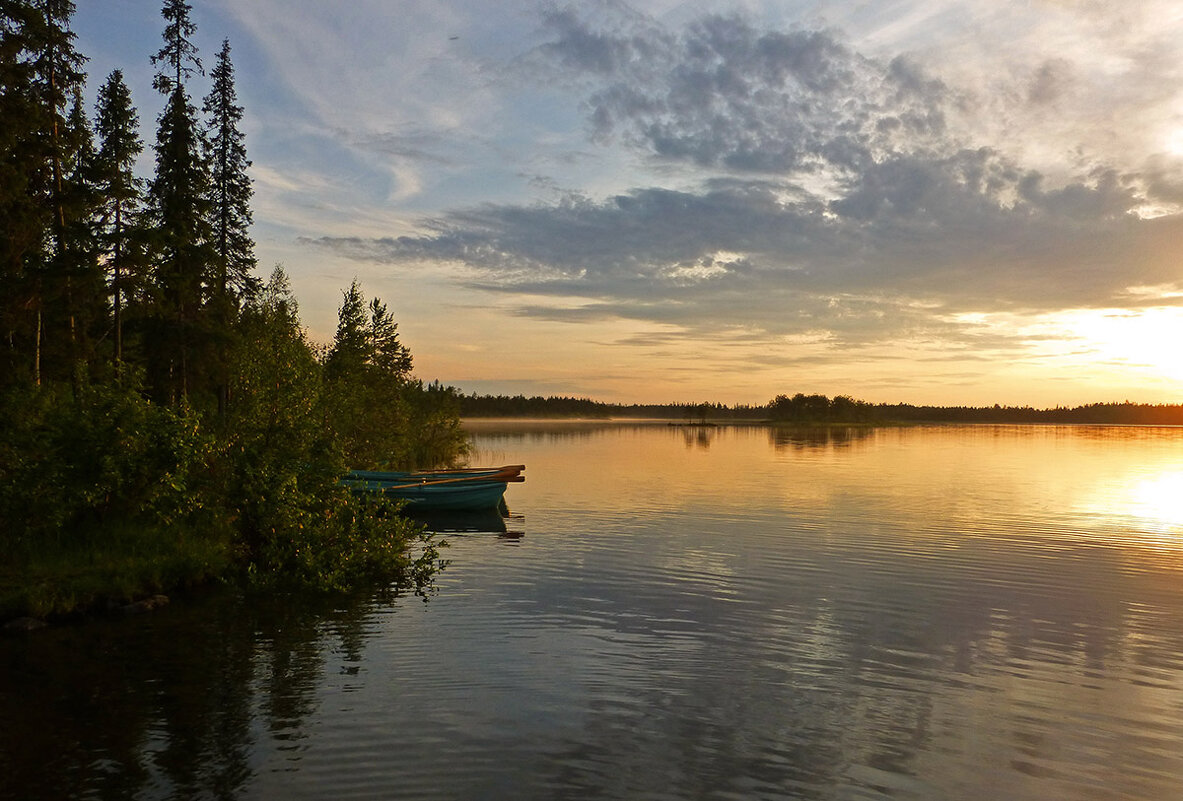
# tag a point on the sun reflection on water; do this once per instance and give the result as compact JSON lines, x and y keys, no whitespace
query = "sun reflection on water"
{"x":1158,"y":500}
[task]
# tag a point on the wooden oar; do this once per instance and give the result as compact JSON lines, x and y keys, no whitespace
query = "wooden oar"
{"x":499,"y":478}
{"x":506,"y":474}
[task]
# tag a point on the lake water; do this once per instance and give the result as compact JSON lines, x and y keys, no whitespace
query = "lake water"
{"x":979,"y":612}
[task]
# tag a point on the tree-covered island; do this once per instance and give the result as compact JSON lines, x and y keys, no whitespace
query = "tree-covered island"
{"x":165,"y":420}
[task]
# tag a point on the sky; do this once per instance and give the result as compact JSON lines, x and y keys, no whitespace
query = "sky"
{"x":959,"y":202}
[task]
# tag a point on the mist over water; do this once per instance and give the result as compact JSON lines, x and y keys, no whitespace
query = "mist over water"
{"x":975,"y":612}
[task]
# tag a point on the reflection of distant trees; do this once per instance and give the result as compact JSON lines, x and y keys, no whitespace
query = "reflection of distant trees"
{"x":550,"y":431}
{"x":696,"y":436}
{"x":803,"y":437}
{"x":535,"y":431}
{"x":518,"y":432}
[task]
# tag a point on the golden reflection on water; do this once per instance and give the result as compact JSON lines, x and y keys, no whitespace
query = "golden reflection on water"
{"x":1092,"y":483}
{"x":1158,"y":500}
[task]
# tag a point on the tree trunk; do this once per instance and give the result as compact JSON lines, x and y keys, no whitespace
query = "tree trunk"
{"x":37,"y":351}
{"x":117,"y":286}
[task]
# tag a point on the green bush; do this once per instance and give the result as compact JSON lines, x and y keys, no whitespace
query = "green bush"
{"x":346,"y":540}
{"x":72,"y":461}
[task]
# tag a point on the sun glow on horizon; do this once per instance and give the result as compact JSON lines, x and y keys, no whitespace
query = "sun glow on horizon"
{"x":1145,"y":339}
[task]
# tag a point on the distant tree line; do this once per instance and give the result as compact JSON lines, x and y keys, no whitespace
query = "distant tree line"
{"x":801,"y":408}
{"x":555,"y":406}
{"x":162,"y":408}
{"x":818,"y":409}
{"x":1125,"y":413}
{"x":474,"y":405}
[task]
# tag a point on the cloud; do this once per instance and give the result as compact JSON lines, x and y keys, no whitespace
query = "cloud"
{"x":822,"y":191}
{"x":1050,"y":82}
{"x":723,"y":93}
{"x":414,"y":144}
{"x":779,"y":261}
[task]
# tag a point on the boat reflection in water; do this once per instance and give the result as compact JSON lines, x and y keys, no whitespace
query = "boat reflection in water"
{"x":469,"y":521}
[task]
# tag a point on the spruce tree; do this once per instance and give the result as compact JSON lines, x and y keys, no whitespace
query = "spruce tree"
{"x":80,"y":311}
{"x":179,"y":212}
{"x":23,"y":220}
{"x":366,"y":375}
{"x":366,"y":342}
{"x":350,"y":350}
{"x":388,"y":355}
{"x":230,"y":197}
{"x":40,"y":71}
{"x":117,"y":125}
{"x":179,"y":54}
{"x":230,"y":185}
{"x":59,"y":78}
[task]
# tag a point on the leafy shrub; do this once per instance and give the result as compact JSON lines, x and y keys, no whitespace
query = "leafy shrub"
{"x":348,"y":539}
{"x":73,"y":461}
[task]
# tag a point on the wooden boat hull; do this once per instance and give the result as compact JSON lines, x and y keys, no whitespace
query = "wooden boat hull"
{"x":444,"y":490}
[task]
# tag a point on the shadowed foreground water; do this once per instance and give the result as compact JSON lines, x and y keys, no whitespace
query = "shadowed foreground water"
{"x":932,"y":613}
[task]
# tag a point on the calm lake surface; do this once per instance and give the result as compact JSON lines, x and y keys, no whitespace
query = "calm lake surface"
{"x":979,"y":612}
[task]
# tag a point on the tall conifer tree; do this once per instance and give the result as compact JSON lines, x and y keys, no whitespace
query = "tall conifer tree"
{"x":388,"y":355}
{"x":23,"y":220}
{"x":81,"y":308}
{"x":367,"y":371}
{"x":117,"y":125}
{"x":59,"y":78}
{"x":230,"y":184}
{"x":40,"y":71}
{"x":230,"y":198}
{"x":179,"y":208}
{"x":350,"y":351}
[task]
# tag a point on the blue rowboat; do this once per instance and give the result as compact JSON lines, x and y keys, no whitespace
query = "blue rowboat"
{"x":466,"y":489}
